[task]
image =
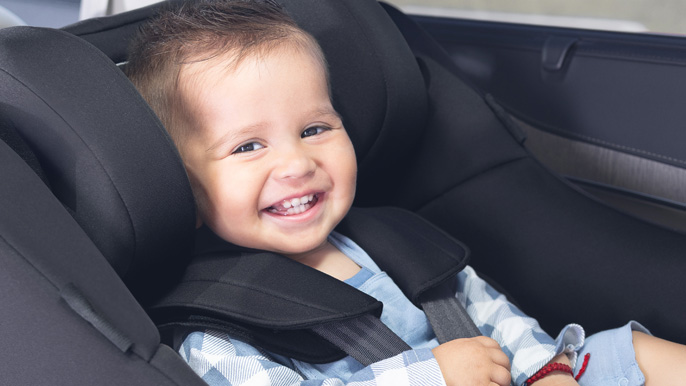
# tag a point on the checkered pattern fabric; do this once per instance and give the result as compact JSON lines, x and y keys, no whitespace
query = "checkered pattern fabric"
{"x":215,"y":357}
{"x":222,"y":360}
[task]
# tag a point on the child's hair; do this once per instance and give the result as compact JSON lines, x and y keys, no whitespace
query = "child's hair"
{"x":201,"y":30}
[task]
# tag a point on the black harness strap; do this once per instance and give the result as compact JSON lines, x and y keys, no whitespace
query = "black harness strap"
{"x":447,"y":316}
{"x":364,"y":338}
{"x":369,"y":340}
{"x":422,"y":260}
{"x":293,"y":310}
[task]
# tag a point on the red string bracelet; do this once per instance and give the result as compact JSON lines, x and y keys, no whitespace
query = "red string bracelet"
{"x":547,"y":369}
{"x":582,"y":370}
{"x":552,"y":367}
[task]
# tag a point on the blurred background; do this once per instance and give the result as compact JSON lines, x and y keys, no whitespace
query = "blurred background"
{"x":655,"y":16}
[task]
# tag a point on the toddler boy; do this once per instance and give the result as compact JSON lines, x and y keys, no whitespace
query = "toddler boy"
{"x":244,"y":93}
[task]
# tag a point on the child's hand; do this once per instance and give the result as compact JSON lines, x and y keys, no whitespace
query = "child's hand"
{"x":473,"y":362}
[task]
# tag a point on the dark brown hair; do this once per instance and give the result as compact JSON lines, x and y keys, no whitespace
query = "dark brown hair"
{"x":201,"y":30}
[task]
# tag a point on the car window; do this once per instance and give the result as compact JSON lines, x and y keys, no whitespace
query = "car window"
{"x":657,"y":16}
{"x":40,"y":13}
{"x":58,"y":13}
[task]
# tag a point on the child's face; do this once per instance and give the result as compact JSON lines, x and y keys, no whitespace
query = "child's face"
{"x":271,"y":163}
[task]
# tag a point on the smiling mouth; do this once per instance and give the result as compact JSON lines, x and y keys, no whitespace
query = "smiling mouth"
{"x":294,"y":205}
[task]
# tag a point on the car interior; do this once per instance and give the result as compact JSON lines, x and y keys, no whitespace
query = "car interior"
{"x":555,"y":155}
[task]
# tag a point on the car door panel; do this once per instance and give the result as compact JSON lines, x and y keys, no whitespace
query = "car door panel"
{"x":601,"y":108}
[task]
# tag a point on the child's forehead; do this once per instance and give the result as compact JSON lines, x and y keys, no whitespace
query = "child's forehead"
{"x":204,"y":71}
{"x":229,"y":60}
{"x":202,"y":83}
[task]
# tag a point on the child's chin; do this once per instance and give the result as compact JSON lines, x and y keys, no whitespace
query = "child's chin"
{"x":303,"y":248}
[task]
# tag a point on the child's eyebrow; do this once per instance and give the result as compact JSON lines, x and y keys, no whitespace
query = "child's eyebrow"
{"x":232,"y":135}
{"x":329,"y":111}
{"x":250,"y":130}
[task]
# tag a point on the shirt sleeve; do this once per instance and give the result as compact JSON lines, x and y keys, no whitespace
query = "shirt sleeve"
{"x":223,"y":361}
{"x":521,"y":338}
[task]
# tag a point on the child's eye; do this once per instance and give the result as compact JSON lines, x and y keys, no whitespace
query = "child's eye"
{"x":310,"y":131}
{"x":252,"y":146}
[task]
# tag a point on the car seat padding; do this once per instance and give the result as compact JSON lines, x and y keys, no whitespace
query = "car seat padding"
{"x":106,"y":156}
{"x":271,"y":300}
{"x":46,"y":257}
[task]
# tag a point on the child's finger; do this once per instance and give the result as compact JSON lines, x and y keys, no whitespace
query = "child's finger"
{"x":500,"y":358}
{"x":487,"y":342}
{"x":501,"y":376}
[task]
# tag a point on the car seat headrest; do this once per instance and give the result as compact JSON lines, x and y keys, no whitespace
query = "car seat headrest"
{"x":106,"y":156}
{"x":377,"y":84}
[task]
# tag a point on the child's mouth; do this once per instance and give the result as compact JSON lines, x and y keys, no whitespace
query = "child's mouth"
{"x":294,"y":205}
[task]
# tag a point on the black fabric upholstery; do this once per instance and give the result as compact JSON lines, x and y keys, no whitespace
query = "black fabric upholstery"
{"x":420,"y":151}
{"x":222,"y":275}
{"x":112,"y":34}
{"x":106,"y":156}
{"x":387,"y":234}
{"x":45,"y":256}
{"x":565,"y":257}
{"x":425,"y":141}
{"x":272,"y":301}
{"x":562,"y":255}
{"x":11,"y":137}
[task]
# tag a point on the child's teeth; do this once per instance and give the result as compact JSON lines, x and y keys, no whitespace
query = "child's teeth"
{"x":297,"y":205}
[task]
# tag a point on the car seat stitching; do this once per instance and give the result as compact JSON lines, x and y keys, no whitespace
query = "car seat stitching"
{"x":624,"y":147}
{"x":134,"y":94}
{"x":583,"y":137}
{"x":86,"y":146}
{"x":499,"y":165}
{"x":433,"y":281}
{"x":386,"y":85}
{"x":30,"y":263}
{"x":270,"y":323}
{"x":131,"y":91}
{"x":55,"y":284}
{"x":260,"y":290}
{"x":623,"y":53}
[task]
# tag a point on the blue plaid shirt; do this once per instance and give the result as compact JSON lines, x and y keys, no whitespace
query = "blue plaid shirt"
{"x":224,"y":360}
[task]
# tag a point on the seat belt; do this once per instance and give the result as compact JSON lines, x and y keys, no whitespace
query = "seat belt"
{"x":304,"y":321}
{"x":369,"y":340}
{"x":365,"y":338}
{"x":448,"y":318}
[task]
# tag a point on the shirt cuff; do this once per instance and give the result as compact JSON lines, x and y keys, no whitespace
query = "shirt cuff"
{"x":423,"y":367}
{"x":569,"y":341}
{"x":529,"y":361}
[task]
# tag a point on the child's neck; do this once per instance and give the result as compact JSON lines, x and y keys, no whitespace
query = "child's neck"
{"x":330,"y":260}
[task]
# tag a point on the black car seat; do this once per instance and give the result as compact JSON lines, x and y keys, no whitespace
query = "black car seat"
{"x":425,"y":141}
{"x":107,"y":219}
{"x":91,"y":192}
{"x":67,"y":318}
{"x":429,"y":142}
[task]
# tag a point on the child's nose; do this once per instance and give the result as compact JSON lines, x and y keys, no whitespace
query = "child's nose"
{"x":294,"y":163}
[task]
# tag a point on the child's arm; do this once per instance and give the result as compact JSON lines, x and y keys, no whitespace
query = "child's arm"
{"x":558,"y":378}
{"x":220,"y":360}
{"x":473,"y":361}
{"x":528,"y":347}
